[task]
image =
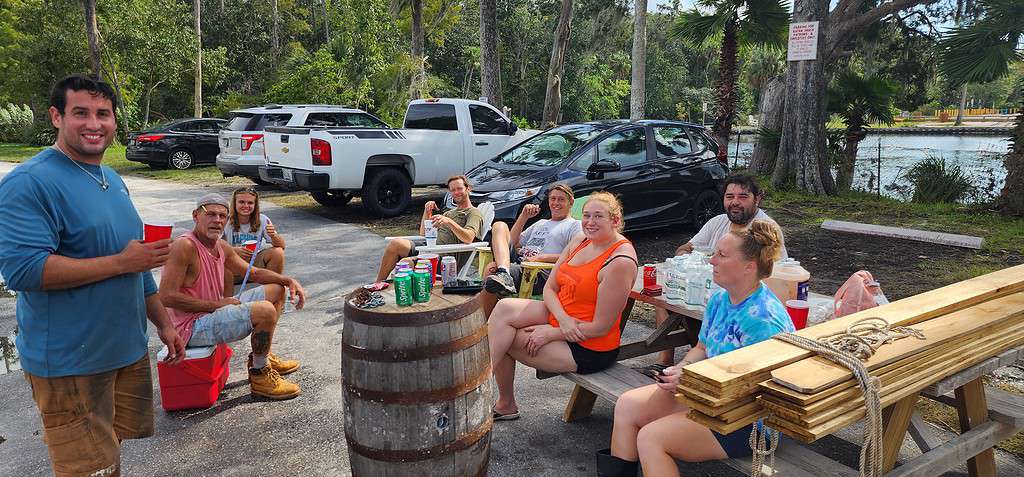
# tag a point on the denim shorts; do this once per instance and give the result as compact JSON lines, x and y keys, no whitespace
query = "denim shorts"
{"x":228,"y":323}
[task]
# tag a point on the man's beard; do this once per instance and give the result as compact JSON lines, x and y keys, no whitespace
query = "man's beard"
{"x":743,"y":217}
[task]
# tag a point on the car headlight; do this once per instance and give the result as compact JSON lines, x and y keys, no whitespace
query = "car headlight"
{"x":514,"y":194}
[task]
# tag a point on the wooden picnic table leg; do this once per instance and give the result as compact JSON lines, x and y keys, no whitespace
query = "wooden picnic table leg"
{"x":581,"y":404}
{"x":895,"y":420}
{"x":972,"y":409}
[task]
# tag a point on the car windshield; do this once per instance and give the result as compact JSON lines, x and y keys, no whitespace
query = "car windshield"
{"x":551,"y":147}
{"x":164,"y":126}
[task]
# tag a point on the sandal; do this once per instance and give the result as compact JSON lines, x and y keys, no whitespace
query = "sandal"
{"x":497,"y":416}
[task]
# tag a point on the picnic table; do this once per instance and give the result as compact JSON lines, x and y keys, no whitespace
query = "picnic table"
{"x":987,"y":415}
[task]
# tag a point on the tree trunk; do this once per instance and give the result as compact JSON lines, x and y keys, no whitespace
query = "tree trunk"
{"x":960,"y":107}
{"x":490,"y":62}
{"x":198,"y":99}
{"x":727,"y":60}
{"x":802,"y":159}
{"x":92,"y":33}
{"x":417,"y":49}
{"x":637,"y":85}
{"x":844,"y":173}
{"x":1011,"y":200}
{"x":773,"y":97}
{"x":327,"y":21}
{"x":553,"y":93}
{"x":275,"y":32}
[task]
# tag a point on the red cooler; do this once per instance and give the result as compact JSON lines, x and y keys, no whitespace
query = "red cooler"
{"x":197,"y":381}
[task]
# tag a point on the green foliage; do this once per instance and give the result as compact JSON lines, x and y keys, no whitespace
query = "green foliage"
{"x":319,"y":79}
{"x":861,"y":100}
{"x":15,"y":122}
{"x":934,"y":181}
{"x":982,"y":51}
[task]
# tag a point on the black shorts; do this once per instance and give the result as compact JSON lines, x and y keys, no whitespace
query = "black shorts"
{"x":590,"y":361}
{"x":737,"y":443}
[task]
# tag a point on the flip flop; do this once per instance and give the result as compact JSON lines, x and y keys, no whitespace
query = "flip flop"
{"x":497,"y":416}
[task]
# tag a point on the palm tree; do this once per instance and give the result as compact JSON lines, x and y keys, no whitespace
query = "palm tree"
{"x":980,"y":52}
{"x":859,"y":101}
{"x":737,"y":23}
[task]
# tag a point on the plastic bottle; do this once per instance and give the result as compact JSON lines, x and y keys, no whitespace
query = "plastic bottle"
{"x":789,"y":281}
{"x":695,"y":286}
{"x":674,"y":278}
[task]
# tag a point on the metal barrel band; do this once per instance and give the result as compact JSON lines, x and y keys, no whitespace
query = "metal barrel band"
{"x":465,"y":441}
{"x":414,"y":354}
{"x":370,"y":317}
{"x":419,"y":397}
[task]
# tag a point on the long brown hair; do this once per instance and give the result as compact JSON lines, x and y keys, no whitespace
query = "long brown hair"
{"x":254,"y":217}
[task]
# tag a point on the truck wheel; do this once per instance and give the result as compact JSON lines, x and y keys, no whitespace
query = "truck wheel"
{"x":332,"y":198}
{"x":387,"y":192}
{"x":707,"y":205}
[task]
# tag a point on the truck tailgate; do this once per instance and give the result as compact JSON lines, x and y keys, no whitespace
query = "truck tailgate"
{"x":288,"y":147}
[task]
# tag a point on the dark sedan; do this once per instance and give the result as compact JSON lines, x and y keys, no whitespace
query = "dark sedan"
{"x":665,"y":172}
{"x":180,"y":144}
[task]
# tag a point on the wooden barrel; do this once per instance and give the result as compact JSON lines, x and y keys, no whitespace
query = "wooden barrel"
{"x":417,"y":387}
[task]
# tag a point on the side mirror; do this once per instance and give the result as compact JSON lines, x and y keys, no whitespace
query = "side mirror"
{"x":603,"y":166}
{"x":512,"y":128}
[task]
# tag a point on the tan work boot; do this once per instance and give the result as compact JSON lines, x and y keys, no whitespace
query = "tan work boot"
{"x":282,"y":367}
{"x":268,"y":383}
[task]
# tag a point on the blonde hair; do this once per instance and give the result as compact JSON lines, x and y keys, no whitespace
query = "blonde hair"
{"x":254,"y":216}
{"x":613,"y":204}
{"x":565,"y":189}
{"x":761,"y":242}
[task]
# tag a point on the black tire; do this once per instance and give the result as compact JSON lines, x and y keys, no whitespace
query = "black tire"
{"x":180,"y":159}
{"x":386,"y":192}
{"x":332,"y":198}
{"x":707,"y":205}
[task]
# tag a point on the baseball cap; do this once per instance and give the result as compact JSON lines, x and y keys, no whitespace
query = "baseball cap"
{"x":212,"y":199}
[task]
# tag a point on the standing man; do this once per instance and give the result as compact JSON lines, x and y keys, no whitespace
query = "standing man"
{"x":70,"y":245}
{"x":459,"y":225}
{"x":742,"y":203}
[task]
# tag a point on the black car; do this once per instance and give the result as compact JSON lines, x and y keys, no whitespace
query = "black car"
{"x":665,"y":172}
{"x":180,"y":144}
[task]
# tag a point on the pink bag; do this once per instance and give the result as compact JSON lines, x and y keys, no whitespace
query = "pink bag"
{"x":860,"y":292}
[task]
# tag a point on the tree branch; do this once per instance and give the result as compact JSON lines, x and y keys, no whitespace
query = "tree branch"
{"x":839,"y":31}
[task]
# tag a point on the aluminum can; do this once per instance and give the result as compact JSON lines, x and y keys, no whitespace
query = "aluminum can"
{"x":403,"y":289}
{"x":650,"y":275}
{"x":449,"y":270}
{"x":421,"y":285}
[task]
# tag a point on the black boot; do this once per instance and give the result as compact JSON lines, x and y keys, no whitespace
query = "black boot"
{"x":611,"y":466}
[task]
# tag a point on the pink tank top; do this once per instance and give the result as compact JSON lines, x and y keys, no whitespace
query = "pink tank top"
{"x":209,"y":285}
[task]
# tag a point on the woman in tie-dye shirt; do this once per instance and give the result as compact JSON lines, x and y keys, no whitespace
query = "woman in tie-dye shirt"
{"x":650,"y":425}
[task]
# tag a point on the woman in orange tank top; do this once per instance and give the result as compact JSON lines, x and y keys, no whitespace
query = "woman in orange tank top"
{"x":576,"y":327}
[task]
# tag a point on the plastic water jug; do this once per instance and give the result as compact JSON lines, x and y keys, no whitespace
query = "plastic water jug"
{"x":789,"y":281}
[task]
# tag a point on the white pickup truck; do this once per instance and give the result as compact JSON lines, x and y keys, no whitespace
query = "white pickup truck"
{"x":440,"y":138}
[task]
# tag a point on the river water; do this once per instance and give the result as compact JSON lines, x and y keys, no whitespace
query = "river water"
{"x":980,"y":157}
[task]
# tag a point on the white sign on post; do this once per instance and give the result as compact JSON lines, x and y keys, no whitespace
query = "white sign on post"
{"x":803,"y":41}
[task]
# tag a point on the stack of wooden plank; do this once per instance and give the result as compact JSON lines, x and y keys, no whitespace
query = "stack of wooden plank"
{"x":810,"y":397}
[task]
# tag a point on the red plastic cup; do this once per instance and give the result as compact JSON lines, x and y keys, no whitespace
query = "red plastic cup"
{"x":250,"y":245}
{"x":154,"y":231}
{"x":435,"y":262}
{"x":798,"y":310}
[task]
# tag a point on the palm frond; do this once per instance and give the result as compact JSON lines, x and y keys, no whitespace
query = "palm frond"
{"x":764,"y":22}
{"x":983,"y":50}
{"x":696,"y":28}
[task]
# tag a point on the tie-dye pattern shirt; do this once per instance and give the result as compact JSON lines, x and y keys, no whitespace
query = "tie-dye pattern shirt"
{"x":727,"y":327}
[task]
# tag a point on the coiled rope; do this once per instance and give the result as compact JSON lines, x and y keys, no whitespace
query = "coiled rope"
{"x":859,"y":342}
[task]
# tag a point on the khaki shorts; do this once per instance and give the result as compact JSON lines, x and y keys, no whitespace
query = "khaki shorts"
{"x":86,"y":417}
{"x":260,"y":262}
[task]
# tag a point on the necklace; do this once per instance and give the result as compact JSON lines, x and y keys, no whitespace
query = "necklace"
{"x":102,"y":182}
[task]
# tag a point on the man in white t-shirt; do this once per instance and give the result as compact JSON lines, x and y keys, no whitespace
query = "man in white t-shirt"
{"x":742,"y":201}
{"x":541,"y":242}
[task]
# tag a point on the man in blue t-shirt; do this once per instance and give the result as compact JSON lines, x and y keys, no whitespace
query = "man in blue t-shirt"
{"x":70,"y":245}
